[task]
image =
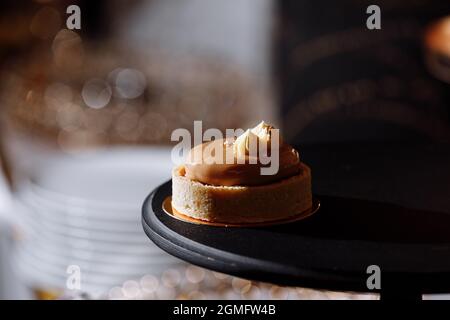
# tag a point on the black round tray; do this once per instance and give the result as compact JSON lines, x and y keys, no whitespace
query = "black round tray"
{"x":329,"y":250}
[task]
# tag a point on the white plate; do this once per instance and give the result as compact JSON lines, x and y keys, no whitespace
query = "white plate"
{"x":96,"y":268}
{"x":42,"y":275}
{"x":71,"y":210}
{"x":115,"y":262}
{"x":86,"y":247}
{"x":60,"y":219}
{"x":95,"y":256}
{"x":112,"y":178}
{"x":90,"y":250}
{"x":91,"y":246}
{"x":30,"y":223}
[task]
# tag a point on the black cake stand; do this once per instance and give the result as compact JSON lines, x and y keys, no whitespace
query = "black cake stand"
{"x":333,"y":248}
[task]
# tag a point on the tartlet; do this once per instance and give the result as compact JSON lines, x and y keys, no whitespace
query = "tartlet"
{"x":239,"y":193}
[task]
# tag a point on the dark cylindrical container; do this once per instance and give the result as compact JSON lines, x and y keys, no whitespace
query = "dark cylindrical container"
{"x":340,"y":81}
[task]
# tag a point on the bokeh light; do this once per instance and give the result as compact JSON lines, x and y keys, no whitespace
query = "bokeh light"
{"x":96,"y":93}
{"x":195,"y":274}
{"x":149,"y":283}
{"x":68,"y":51}
{"x":241,"y":285}
{"x":131,"y":289}
{"x":130,"y":83}
{"x":171,"y":278}
{"x":45,"y":23}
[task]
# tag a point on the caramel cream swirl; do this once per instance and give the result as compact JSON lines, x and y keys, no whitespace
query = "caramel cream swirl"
{"x":229,"y":162}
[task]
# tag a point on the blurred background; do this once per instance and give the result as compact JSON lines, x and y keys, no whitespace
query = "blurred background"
{"x":86,"y":117}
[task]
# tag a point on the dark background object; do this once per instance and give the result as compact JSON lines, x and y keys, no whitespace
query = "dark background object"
{"x":340,"y":81}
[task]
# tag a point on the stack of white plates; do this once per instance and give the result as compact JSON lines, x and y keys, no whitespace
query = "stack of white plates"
{"x":83,"y":214}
